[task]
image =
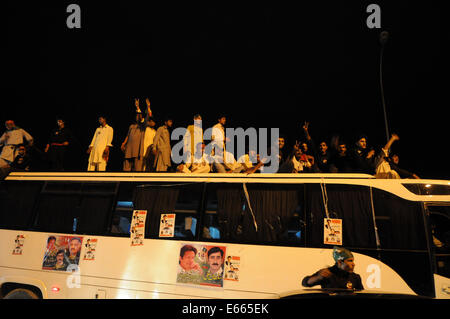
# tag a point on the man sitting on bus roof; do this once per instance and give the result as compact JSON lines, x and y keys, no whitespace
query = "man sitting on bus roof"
{"x":339,"y":276}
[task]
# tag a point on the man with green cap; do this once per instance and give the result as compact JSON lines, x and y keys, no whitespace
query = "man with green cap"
{"x":340,"y":275}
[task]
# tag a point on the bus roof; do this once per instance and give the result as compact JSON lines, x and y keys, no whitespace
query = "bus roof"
{"x":411,"y":189}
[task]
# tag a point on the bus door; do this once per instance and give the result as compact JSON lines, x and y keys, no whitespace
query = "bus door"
{"x":439,"y":220}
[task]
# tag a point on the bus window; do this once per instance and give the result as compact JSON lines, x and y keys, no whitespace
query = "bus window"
{"x":274,"y":215}
{"x":351,"y":204}
{"x":17,"y":200}
{"x":123,"y":210}
{"x":179,"y":201}
{"x":439,"y":217}
{"x":400,"y":222}
{"x":75,"y":207}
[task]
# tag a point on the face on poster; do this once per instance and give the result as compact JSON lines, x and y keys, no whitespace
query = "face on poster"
{"x":201,"y":265}
{"x":62,"y":251}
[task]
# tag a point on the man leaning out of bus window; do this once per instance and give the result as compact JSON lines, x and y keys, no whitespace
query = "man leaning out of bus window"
{"x":340,"y":276}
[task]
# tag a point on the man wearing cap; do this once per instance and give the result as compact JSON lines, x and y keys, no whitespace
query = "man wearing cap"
{"x":340,"y":275}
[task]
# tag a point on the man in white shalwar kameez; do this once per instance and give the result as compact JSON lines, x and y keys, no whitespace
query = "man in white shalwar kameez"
{"x":99,"y":149}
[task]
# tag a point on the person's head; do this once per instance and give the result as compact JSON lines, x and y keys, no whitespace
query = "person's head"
{"x":9,"y":124}
{"x":298,"y":154}
{"x":222,"y":119}
{"x":344,"y":259}
{"x":151,"y":122}
{"x":51,"y":241}
{"x":323,"y":147}
{"x":215,"y":259}
{"x":197,"y":120}
{"x":102,"y":120}
{"x":60,"y":256}
{"x":168,"y":122}
{"x":60,"y":122}
{"x":74,"y":246}
{"x":342,"y":149}
{"x":395,"y":158}
{"x":187,"y":255}
{"x":281,"y":142}
{"x":362,"y":142}
{"x":304,"y":147}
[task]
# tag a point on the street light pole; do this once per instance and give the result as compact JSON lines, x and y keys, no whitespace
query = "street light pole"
{"x":383,"y":39}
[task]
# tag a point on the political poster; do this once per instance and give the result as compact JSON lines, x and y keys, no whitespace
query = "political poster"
{"x":201,"y":265}
{"x":167,"y":225}
{"x":89,"y":252}
{"x":62,"y":252}
{"x":332,"y":231}
{"x":232,"y":266}
{"x":137,"y":228}
{"x":18,"y":245}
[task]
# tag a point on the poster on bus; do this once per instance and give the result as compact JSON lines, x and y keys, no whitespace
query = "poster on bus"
{"x":167,"y":225}
{"x":137,"y":227}
{"x":232,"y":265}
{"x":18,"y":245}
{"x":201,"y":265}
{"x":89,"y":252}
{"x":62,"y":253}
{"x":332,"y":231}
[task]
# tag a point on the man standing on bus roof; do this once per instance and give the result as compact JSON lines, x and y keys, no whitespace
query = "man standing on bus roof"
{"x":341,"y":275}
{"x":99,"y":148}
{"x":10,"y":141}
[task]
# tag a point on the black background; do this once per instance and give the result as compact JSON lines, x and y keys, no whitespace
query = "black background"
{"x":263,"y":65}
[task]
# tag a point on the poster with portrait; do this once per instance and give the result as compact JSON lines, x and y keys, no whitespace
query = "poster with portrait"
{"x":89,"y":252}
{"x":167,"y":225}
{"x":201,"y":264}
{"x":62,"y":253}
{"x":332,"y":231}
{"x":18,"y":245}
{"x":137,"y":227}
{"x":232,"y":265}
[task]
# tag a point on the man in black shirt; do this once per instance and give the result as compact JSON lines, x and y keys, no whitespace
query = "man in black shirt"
{"x":340,"y":275}
{"x":56,"y":147}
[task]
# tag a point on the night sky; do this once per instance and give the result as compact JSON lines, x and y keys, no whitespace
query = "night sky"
{"x":263,"y":65}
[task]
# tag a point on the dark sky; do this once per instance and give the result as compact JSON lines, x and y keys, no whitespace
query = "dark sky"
{"x":270,"y":65}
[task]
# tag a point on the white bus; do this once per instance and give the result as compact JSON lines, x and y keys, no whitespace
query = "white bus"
{"x":125,"y":235}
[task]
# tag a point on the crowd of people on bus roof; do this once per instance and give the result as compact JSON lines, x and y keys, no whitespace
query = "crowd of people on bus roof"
{"x":148,"y":149}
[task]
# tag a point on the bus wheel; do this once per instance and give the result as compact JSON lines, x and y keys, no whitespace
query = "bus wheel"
{"x":21,"y":293}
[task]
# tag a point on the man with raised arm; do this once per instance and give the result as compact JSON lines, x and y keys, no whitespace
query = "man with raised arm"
{"x":133,"y":145}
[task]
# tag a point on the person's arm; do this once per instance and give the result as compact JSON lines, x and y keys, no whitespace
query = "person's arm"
{"x":3,"y":138}
{"x":388,"y":145}
{"x":122,"y":147}
{"x":305,"y":129}
{"x":156,"y":141}
{"x":109,"y":138}
{"x":317,"y":278}
{"x":149,"y":111}
{"x":27,"y":137}
{"x":136,"y":104}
